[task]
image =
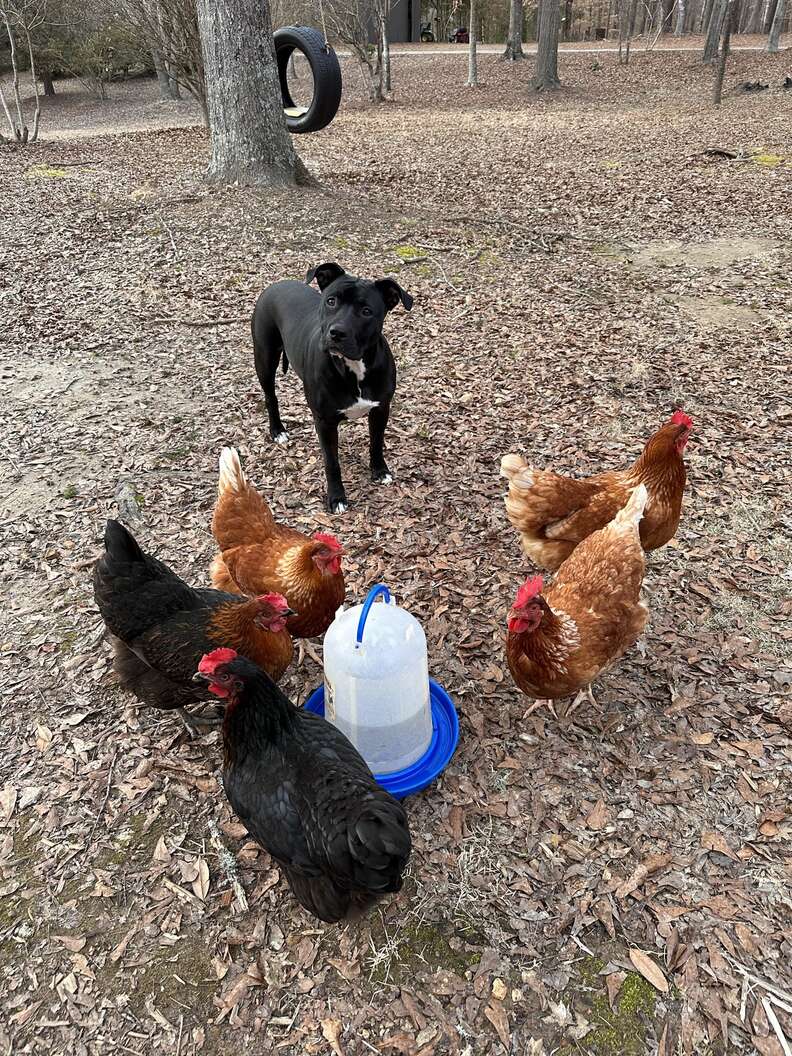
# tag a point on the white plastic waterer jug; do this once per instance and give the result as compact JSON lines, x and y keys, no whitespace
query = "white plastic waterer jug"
{"x":377,"y":682}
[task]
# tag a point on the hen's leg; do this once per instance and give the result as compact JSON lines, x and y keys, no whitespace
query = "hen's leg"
{"x":541,"y":704}
{"x":584,"y":694}
{"x":192,"y":722}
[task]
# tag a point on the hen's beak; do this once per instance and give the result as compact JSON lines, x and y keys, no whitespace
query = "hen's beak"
{"x":289,"y":612}
{"x":199,"y":676}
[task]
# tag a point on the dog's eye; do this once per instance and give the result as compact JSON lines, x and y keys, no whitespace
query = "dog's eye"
{"x":365,"y":311}
{"x":330,"y":302}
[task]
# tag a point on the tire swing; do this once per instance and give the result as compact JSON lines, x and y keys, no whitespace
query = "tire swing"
{"x":326,"y":77}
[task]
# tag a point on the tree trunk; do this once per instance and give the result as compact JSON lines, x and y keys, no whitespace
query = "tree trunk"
{"x":775,"y":29}
{"x":714,"y":32}
{"x":46,"y":80}
{"x":163,"y":80}
{"x":514,"y":49}
{"x":19,"y":129}
{"x":472,"y":81}
{"x":247,"y":127}
{"x":717,"y":89}
{"x":546,"y":72}
{"x":386,"y":63}
{"x":679,"y":28}
{"x":34,"y":79}
{"x":566,"y":30}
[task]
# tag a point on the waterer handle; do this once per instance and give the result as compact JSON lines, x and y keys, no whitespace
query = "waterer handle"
{"x":372,"y":596}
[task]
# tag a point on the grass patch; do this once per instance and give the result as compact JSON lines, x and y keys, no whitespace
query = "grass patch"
{"x":46,"y":172}
{"x":416,"y":946}
{"x":769,"y":160}
{"x":407,"y":252}
{"x":621,"y":1031}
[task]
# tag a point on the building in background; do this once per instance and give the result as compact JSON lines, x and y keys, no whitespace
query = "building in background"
{"x":404,"y":24}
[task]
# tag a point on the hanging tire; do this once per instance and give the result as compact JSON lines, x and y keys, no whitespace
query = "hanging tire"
{"x":326,"y":77}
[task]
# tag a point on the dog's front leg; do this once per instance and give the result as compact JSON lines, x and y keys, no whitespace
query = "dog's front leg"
{"x":327,"y":431}
{"x":377,"y":421}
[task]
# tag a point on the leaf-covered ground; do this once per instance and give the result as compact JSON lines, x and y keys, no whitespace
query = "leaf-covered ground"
{"x":613,"y":884}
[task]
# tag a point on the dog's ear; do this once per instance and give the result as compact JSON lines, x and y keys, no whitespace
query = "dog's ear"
{"x":392,"y":293}
{"x":324,"y":274}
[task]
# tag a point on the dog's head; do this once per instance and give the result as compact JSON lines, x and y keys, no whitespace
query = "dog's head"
{"x":353,"y":310}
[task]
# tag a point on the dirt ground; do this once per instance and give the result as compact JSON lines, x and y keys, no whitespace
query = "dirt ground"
{"x":613,"y":884}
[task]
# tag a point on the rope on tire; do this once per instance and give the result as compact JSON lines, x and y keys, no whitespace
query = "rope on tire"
{"x":324,"y":27}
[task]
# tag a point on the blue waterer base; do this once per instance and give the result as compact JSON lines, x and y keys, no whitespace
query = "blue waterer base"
{"x":445,"y":735}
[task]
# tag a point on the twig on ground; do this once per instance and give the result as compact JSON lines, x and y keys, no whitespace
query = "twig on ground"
{"x":229,"y":863}
{"x":98,"y":817}
{"x":771,"y":988}
{"x":773,"y":1021}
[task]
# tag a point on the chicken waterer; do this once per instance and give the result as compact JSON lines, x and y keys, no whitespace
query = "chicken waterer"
{"x":377,"y":691}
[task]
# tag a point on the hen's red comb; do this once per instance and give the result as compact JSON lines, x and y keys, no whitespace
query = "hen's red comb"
{"x":530,"y":588}
{"x":277,"y":601}
{"x":211,"y":661}
{"x":680,"y":418}
{"x":328,"y":540}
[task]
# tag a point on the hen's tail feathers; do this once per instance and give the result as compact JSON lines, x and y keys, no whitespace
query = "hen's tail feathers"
{"x":120,"y":544}
{"x":633,"y":509}
{"x":518,"y":472}
{"x":232,"y":476}
{"x":379,"y":842}
{"x":241,"y":516}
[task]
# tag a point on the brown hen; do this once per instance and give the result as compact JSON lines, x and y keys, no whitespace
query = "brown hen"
{"x":258,"y":555}
{"x":561,"y":638}
{"x":554,"y":513}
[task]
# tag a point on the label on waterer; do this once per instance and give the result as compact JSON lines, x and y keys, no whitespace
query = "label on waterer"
{"x":330,"y":711}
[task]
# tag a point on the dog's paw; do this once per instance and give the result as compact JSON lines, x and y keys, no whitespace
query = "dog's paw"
{"x":281,"y":438}
{"x":387,"y":479}
{"x":338,"y":507}
{"x":381,"y":476}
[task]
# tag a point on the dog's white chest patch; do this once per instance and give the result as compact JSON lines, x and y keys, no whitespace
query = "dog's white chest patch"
{"x":359,"y":408}
{"x":357,"y":366}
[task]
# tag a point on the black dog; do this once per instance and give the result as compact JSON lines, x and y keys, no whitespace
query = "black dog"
{"x":334,"y":342}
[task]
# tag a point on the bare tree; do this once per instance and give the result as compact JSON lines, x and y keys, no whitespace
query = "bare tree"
{"x":247,"y":127}
{"x":546,"y":71}
{"x":21,"y":18}
{"x":514,"y":49}
{"x":712,"y":41}
{"x":728,"y":25}
{"x":351,"y":22}
{"x":383,"y":10}
{"x":774,"y":38}
{"x":170,"y":28}
{"x":681,"y":9}
{"x":472,"y":81}
{"x":627,"y":12}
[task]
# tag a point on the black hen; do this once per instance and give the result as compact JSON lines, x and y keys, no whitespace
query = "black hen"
{"x":160,"y":627}
{"x":306,"y":794}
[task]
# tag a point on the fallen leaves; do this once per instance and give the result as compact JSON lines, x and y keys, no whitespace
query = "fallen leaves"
{"x":496,"y":1014}
{"x":649,"y":970}
{"x":331,"y":1031}
{"x":652,"y":822}
{"x":713,"y":841}
{"x":597,"y":817}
